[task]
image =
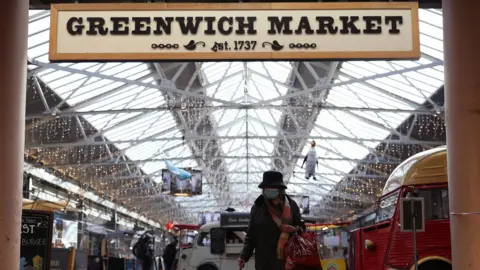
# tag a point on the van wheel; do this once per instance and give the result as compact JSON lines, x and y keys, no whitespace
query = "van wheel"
{"x":207,"y":267}
{"x":435,"y":265}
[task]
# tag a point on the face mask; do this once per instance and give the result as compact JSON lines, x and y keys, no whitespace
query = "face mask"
{"x":271,"y":193}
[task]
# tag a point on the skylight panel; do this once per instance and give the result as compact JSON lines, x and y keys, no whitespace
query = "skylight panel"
{"x":143,"y":150}
{"x":150,"y":98}
{"x":134,"y":128}
{"x":118,"y":100}
{"x":103,"y":122}
{"x":431,"y":17}
{"x":424,"y":82}
{"x":38,"y":50}
{"x":40,"y":24}
{"x":71,"y":87}
{"x":431,"y":52}
{"x":326,"y":118}
{"x":237,"y":144}
{"x":268,"y":89}
{"x":436,"y":73}
{"x":265,"y":146}
{"x":236,"y":128}
{"x":217,"y":70}
{"x":151,"y":167}
{"x":125,"y":69}
{"x":227,"y":90}
{"x":38,"y":38}
{"x":432,"y":31}
{"x":391,"y":87}
{"x":431,"y":42}
{"x":226,"y":117}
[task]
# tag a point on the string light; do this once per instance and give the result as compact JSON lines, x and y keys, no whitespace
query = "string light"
{"x":117,"y":182}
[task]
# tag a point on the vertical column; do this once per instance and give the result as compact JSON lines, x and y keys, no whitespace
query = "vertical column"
{"x":462,"y":94}
{"x":81,"y":226}
{"x":13,"y":61}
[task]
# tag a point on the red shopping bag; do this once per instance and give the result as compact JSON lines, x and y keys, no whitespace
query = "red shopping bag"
{"x":301,"y":252}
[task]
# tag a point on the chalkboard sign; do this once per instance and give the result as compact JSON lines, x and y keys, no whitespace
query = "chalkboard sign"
{"x":234,"y":219}
{"x":81,"y":260}
{"x":36,"y":243}
{"x":217,"y":240}
{"x":408,"y":207}
{"x":60,"y":259}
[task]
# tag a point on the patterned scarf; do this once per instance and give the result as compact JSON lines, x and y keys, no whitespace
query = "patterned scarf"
{"x":281,"y":219}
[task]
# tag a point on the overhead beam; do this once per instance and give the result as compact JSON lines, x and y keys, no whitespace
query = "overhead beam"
{"x":201,"y":137}
{"x":187,"y":78}
{"x":418,"y":111}
{"x":140,"y":161}
{"x":303,"y":92}
{"x":45,"y":4}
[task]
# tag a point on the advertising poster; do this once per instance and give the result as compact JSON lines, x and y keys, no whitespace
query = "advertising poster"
{"x":303,"y":203}
{"x":171,"y":184}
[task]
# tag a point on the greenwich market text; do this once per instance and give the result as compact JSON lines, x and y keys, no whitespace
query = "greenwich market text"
{"x":321,"y":25}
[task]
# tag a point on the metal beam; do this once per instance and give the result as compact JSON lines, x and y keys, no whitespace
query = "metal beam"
{"x":233,"y":173}
{"x":419,"y":111}
{"x":140,"y":161}
{"x":44,"y":5}
{"x":186,"y":77}
{"x":200,"y":137}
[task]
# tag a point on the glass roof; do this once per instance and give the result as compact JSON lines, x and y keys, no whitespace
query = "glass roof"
{"x":388,"y":85}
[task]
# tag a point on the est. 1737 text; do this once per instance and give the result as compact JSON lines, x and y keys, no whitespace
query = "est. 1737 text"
{"x":238,"y":45}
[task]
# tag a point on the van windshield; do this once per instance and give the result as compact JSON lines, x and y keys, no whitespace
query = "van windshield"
{"x":386,"y":208}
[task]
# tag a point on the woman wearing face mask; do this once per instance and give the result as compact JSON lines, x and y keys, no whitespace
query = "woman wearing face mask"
{"x":274,"y":216}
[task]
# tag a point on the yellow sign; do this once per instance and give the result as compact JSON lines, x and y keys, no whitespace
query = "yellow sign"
{"x":334,"y":264}
{"x":237,"y":31}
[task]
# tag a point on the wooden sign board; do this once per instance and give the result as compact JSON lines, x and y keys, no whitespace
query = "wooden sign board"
{"x":237,"y":31}
{"x":406,"y":212}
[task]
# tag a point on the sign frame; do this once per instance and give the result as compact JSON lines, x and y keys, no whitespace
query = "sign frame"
{"x":234,"y":56}
{"x":234,"y":220}
{"x":420,"y":216}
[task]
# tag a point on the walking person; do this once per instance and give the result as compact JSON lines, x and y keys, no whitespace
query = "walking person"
{"x":273,"y":217}
{"x":170,"y":254}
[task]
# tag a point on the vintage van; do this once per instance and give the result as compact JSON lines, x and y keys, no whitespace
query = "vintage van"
{"x":218,"y":245}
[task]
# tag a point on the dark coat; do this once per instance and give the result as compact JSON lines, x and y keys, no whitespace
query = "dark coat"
{"x":263,"y":234}
{"x":169,"y":255}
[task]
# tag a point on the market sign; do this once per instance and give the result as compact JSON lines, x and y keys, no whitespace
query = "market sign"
{"x":235,"y":219}
{"x":254,"y":31}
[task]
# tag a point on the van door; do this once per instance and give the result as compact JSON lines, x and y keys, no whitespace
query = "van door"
{"x":234,"y":241}
{"x":201,"y":252}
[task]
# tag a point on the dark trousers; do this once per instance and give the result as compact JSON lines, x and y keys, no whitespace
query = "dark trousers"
{"x":147,"y":264}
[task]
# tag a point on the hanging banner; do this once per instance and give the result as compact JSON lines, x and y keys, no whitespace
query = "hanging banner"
{"x":225,"y":32}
